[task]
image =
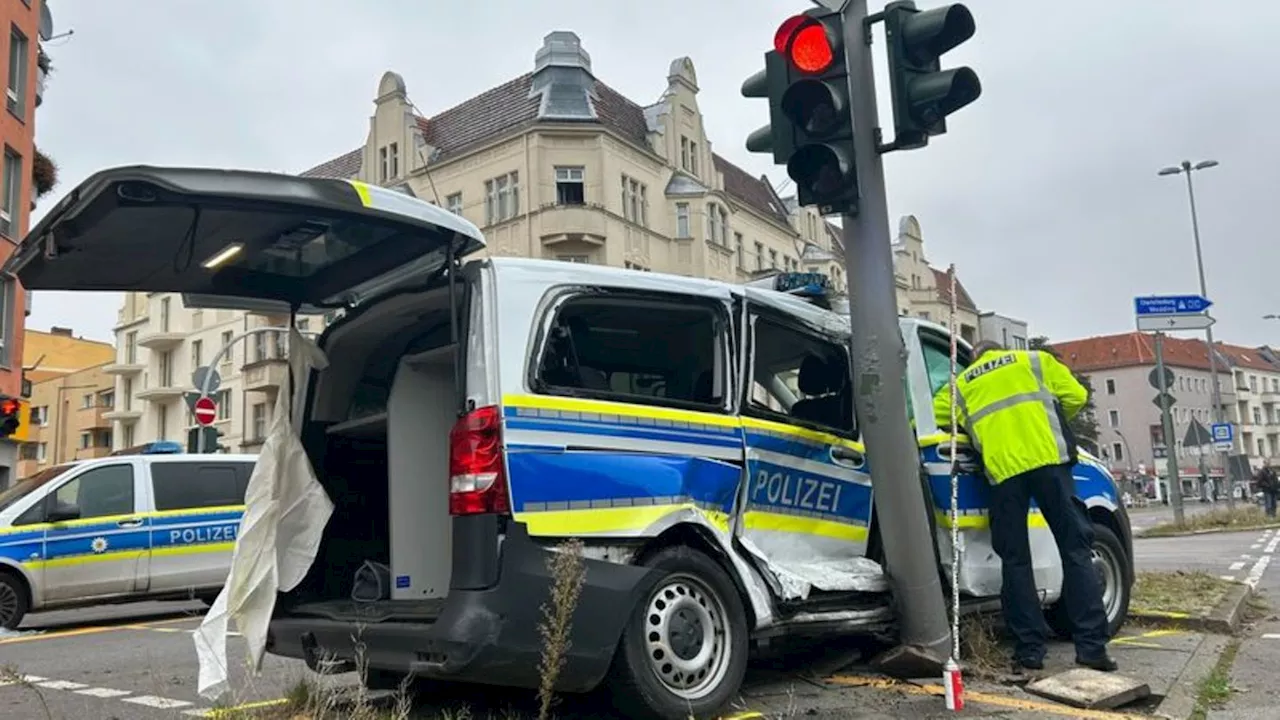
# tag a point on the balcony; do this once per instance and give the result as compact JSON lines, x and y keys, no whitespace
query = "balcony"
{"x":161,"y":393}
{"x":122,"y":415}
{"x":568,"y":223}
{"x":265,"y":375}
{"x":124,"y":368}
{"x":93,"y":418}
{"x":156,"y":340}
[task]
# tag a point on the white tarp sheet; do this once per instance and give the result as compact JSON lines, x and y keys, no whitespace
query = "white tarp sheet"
{"x":286,"y":510}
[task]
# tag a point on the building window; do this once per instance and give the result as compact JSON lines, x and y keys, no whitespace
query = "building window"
{"x":573,"y":258}
{"x":717,"y":224}
{"x":197,"y":352}
{"x":126,"y":388}
{"x":258,"y":426}
{"x":738,"y":251}
{"x":684,"y":153}
{"x":759,"y":256}
{"x":1111,"y":386}
{"x":393,"y":155}
{"x":1113,"y":418}
{"x":1117,"y":452}
{"x":226,"y":340}
{"x":382,"y":165}
{"x":1019,"y":342}
{"x":131,"y":347}
{"x":682,"y":220}
{"x":693,"y":157}
{"x":86,"y":441}
{"x":128,"y":436}
{"x":570,"y":186}
{"x":107,"y":399}
{"x":1257,"y":415}
{"x":164,"y":314}
{"x":773,"y":259}
{"x":8,"y":304}
{"x":635,"y":201}
{"x":453,"y":203}
{"x":166,"y":369}
{"x":259,"y":347}
{"x":86,"y":401}
{"x":16,"y":94}
{"x":162,"y":422}
{"x":224,"y":404}
{"x":501,"y":198}
{"x":10,"y":205}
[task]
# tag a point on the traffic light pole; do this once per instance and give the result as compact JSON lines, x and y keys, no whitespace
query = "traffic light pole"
{"x":879,"y":361}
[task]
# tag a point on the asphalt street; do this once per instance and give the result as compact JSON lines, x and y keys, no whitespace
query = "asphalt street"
{"x":138,"y":661}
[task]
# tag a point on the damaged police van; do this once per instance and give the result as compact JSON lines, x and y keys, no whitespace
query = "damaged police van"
{"x":698,"y":437}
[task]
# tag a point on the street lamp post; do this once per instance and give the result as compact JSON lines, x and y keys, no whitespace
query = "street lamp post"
{"x":1186,"y":168}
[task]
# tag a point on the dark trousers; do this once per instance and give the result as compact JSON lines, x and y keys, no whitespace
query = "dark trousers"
{"x":1051,"y":487}
{"x":1269,"y":501}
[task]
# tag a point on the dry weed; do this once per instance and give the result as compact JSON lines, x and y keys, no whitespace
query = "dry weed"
{"x":11,"y":676}
{"x":568,"y":574}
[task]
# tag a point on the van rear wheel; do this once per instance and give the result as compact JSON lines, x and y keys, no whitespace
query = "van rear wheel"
{"x":683,"y":653}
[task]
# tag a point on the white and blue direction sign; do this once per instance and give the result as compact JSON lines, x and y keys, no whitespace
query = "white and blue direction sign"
{"x":1170,"y":305}
{"x":1223,"y":435}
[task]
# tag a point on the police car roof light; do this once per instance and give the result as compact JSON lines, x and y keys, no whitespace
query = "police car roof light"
{"x":814,"y":287}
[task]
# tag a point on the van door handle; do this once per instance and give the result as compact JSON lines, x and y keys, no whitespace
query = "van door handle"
{"x":847,"y":456}
{"x":130,"y":523}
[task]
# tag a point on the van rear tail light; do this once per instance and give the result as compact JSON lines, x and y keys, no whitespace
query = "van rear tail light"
{"x":477,"y":479}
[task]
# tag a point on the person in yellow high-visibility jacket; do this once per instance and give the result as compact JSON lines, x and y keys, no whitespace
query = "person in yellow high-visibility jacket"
{"x":1015,"y":406}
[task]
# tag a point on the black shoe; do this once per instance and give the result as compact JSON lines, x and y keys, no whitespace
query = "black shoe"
{"x":1020,"y":664}
{"x":1104,"y":663}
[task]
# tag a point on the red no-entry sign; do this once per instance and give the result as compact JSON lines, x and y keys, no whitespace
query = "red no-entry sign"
{"x":205,"y":410}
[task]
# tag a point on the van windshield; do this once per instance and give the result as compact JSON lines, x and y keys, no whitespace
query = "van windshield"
{"x":30,"y":485}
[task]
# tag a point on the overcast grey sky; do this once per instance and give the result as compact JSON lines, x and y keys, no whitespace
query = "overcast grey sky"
{"x":1044,"y":193}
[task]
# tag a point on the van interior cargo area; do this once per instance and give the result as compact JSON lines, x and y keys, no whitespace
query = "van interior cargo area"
{"x":377,"y":433}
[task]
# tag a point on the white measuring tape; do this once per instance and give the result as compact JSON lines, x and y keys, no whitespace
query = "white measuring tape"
{"x":951,"y":679}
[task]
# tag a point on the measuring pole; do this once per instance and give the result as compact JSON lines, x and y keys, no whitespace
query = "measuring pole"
{"x":217,"y":358}
{"x":1171,"y":457}
{"x":880,"y":371}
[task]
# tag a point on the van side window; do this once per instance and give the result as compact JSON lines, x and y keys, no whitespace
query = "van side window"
{"x":799,"y":377}
{"x":100,"y":492}
{"x":937,"y":361}
{"x":635,"y":349}
{"x":185,"y":485}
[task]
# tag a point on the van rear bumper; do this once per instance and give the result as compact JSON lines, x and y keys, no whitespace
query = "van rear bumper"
{"x":487,"y":636}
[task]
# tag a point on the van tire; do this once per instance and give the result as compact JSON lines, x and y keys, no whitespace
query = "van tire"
{"x":1110,"y":560}
{"x":705,"y":601}
{"x":14,"y":600}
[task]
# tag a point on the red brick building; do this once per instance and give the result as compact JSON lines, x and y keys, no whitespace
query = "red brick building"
{"x":21,"y":22}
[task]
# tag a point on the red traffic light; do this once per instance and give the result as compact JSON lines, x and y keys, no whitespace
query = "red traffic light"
{"x":806,"y":42}
{"x":9,"y":406}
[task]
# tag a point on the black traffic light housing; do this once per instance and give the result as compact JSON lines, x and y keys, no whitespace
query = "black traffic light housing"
{"x":810,"y":129}
{"x":10,"y":415}
{"x":923,"y":93}
{"x":211,"y":436}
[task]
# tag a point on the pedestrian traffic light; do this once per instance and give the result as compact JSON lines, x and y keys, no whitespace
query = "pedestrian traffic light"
{"x":10,"y":415}
{"x":211,"y":436}
{"x":810,"y":129}
{"x":923,"y":93}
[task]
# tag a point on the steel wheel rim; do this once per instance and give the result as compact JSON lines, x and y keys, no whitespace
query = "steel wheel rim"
{"x":687,"y":636}
{"x":8,"y":604}
{"x":1108,"y":569}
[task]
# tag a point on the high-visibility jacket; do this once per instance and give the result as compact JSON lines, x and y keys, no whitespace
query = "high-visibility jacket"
{"x":1015,"y":407}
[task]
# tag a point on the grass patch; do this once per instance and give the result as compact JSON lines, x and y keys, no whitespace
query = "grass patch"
{"x":1193,"y":593}
{"x":981,"y":651}
{"x":1243,"y":517}
{"x":1215,"y":688}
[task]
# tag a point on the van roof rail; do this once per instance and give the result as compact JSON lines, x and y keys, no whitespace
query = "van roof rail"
{"x":812,"y":287}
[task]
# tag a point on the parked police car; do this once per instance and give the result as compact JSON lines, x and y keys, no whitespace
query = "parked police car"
{"x":698,"y":437}
{"x":119,"y":529}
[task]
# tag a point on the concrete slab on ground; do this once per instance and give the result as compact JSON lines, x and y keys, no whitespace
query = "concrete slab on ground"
{"x":1090,"y":689}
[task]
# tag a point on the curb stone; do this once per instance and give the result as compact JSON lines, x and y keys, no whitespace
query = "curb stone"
{"x":1143,"y":534}
{"x":1224,"y":619}
{"x":1180,"y":702}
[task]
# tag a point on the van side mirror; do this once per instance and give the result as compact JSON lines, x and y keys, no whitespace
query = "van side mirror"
{"x":63,"y":513}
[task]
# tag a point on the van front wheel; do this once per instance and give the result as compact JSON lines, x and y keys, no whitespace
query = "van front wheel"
{"x":684,"y":651}
{"x":13,"y":601}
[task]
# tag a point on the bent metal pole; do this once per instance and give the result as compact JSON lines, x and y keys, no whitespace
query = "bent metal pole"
{"x":880,"y":368}
{"x":217,"y":358}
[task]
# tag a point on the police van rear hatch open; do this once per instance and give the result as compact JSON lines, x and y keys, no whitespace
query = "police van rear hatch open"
{"x":252,"y":240}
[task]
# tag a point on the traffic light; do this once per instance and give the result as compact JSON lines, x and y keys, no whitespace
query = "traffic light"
{"x":923,"y":93}
{"x":211,"y":436}
{"x":10,"y":415}
{"x":806,"y":80}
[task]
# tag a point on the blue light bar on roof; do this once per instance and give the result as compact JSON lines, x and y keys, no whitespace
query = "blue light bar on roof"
{"x":812,"y":286}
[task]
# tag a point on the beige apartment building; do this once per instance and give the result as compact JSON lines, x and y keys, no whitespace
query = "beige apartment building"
{"x":70,"y":419}
{"x":551,"y":164}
